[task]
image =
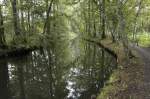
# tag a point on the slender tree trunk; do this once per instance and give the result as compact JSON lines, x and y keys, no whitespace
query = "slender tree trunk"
{"x":103,"y":19}
{"x":33,"y":17}
{"x":94,"y":21}
{"x":136,"y":17}
{"x":29,"y":23}
{"x":89,"y":18}
{"x":47,"y":16}
{"x":2,"y":36}
{"x":15,"y":17}
{"x":22,"y":18}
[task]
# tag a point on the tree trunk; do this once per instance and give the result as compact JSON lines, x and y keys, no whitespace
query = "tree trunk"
{"x":47,"y":17}
{"x":15,"y":17}
{"x":2,"y":36}
{"x":22,"y":18}
{"x":136,"y":17}
{"x":29,"y":21}
{"x":122,"y":29}
{"x":103,"y":19}
{"x":89,"y":18}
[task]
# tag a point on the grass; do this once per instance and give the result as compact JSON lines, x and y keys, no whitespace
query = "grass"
{"x":123,"y":82}
{"x":143,"y":39}
{"x":110,"y":86}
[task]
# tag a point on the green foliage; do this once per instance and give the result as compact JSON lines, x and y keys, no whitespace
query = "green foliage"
{"x":143,"y":39}
{"x":60,"y":30}
{"x":34,"y":40}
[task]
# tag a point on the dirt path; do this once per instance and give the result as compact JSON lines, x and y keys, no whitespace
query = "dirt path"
{"x":145,"y":56}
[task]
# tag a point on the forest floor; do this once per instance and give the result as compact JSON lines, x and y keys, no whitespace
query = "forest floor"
{"x":131,"y":79}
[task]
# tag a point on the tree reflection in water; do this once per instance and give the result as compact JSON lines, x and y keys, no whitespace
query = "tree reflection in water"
{"x":48,"y":75}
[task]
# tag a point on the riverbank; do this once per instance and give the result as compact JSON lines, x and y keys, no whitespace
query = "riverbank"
{"x":126,"y":81}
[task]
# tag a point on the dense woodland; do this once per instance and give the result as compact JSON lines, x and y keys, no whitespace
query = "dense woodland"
{"x":45,"y":42}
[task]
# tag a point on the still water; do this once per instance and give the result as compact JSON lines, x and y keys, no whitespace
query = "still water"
{"x":60,"y":74}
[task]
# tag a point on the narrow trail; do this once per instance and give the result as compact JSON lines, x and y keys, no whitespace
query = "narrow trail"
{"x":145,"y":56}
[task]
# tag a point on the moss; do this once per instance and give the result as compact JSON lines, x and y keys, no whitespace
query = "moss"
{"x":110,"y":86}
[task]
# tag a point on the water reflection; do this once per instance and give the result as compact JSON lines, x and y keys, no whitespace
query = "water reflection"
{"x":4,"y":78}
{"x":47,"y":74}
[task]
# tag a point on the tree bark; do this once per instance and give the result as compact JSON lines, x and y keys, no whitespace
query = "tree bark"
{"x":47,"y":16}
{"x":103,"y":19}
{"x":122,"y":30}
{"x":15,"y":17}
{"x":2,"y":36}
{"x":136,"y":17}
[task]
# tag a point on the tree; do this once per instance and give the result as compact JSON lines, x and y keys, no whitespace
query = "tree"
{"x":2,"y":36}
{"x":103,"y":18}
{"x":15,"y":17}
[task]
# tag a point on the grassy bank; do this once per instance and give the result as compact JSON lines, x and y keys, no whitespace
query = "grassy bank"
{"x":124,"y":81}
